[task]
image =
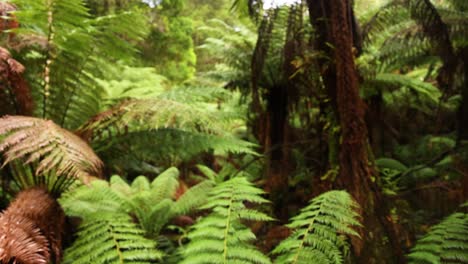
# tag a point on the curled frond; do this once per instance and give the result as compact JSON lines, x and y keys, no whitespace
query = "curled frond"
{"x":53,"y":148}
{"x":320,"y":230}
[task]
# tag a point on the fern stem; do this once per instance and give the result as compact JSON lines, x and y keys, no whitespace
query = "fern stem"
{"x":228,"y":225}
{"x":48,"y":59}
{"x":309,"y":229}
{"x":74,"y":89}
{"x":119,"y":252}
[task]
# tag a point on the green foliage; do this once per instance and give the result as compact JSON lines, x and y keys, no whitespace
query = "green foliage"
{"x":422,"y":161}
{"x":122,"y":135}
{"x":231,"y":47}
{"x":64,"y":47}
{"x":319,"y":231}
{"x":51,"y":150}
{"x":169,"y":46}
{"x":111,"y":238}
{"x":446,"y":242}
{"x":152,"y":204}
{"x":401,"y":90}
{"x":221,"y":236}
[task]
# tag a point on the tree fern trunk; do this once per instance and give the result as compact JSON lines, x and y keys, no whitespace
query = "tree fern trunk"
{"x":31,"y":229}
{"x":333,"y":20}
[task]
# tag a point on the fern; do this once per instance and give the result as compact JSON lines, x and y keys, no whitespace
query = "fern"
{"x":221,"y":237}
{"x":320,"y":229}
{"x":153,"y":204}
{"x":446,"y":242}
{"x":54,"y":149}
{"x":134,"y":124}
{"x":15,"y":95}
{"x":71,"y":48}
{"x":111,"y":238}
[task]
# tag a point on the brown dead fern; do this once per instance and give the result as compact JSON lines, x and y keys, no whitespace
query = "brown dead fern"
{"x":15,"y":92}
{"x":31,"y":233}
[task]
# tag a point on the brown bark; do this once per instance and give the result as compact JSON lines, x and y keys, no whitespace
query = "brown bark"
{"x":333,"y":20}
{"x":31,"y":229}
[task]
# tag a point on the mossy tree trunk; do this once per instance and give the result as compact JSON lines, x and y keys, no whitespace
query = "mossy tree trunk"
{"x":334,"y":24}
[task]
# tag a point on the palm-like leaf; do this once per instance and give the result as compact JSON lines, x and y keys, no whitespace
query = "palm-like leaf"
{"x":53,"y":148}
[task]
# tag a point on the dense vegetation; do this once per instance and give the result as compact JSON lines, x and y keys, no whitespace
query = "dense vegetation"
{"x":232,"y":131}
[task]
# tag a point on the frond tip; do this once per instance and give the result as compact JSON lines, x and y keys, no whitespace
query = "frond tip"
{"x":111,"y":238}
{"x":319,"y":230}
{"x":222,"y":237}
{"x":52,"y":147}
{"x":446,"y":242}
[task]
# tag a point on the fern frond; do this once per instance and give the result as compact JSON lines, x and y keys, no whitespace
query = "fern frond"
{"x":446,"y":242}
{"x":426,"y":96}
{"x":86,"y":201}
{"x":15,"y":95}
{"x":52,"y":147}
{"x":73,"y":46}
{"x":152,"y":114}
{"x":193,"y":198}
{"x":221,"y":237}
{"x":152,"y":204}
{"x":111,"y":238}
{"x":31,"y":228}
{"x":426,"y":14}
{"x":320,"y":229}
{"x":170,"y":146}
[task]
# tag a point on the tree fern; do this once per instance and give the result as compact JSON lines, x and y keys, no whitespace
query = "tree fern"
{"x":53,"y":149}
{"x":221,"y":237}
{"x":72,"y":46}
{"x":111,"y":238}
{"x":153,"y":204}
{"x":446,"y":242}
{"x":319,"y":231}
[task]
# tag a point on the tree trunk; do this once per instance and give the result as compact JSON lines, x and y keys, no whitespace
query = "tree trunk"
{"x":333,"y":20}
{"x":31,"y":229}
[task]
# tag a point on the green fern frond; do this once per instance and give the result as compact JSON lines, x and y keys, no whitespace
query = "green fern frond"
{"x":71,"y":47}
{"x":170,"y":147}
{"x":34,"y":140}
{"x":425,"y":96}
{"x":152,"y":204}
{"x":111,"y":238}
{"x":192,"y":198}
{"x":150,"y":114}
{"x":221,"y":237}
{"x":86,"y":201}
{"x":320,"y":230}
{"x":446,"y":242}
